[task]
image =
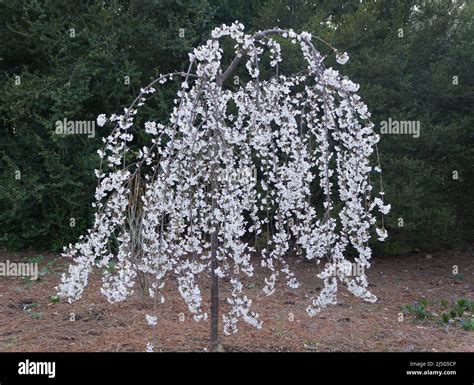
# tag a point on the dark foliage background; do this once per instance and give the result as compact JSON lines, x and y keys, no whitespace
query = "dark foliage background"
{"x":407,"y":77}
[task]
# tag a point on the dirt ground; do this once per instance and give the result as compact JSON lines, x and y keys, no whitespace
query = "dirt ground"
{"x":31,"y":321}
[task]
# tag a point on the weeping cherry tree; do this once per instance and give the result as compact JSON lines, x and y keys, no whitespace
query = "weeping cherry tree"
{"x":231,"y":167}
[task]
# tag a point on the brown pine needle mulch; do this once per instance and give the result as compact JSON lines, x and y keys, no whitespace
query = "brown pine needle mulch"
{"x":31,"y":321}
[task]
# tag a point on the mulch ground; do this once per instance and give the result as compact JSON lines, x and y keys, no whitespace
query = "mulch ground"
{"x":31,"y":321}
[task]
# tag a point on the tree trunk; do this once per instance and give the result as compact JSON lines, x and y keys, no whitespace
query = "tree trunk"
{"x":214,"y":288}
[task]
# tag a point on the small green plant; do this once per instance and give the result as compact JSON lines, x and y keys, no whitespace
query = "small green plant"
{"x":468,"y":324}
{"x":36,"y":315}
{"x":54,"y":299}
{"x":445,"y":318}
{"x":463,"y":305}
{"x":419,"y":309}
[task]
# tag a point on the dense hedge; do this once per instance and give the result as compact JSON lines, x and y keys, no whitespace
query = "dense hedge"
{"x":70,"y":60}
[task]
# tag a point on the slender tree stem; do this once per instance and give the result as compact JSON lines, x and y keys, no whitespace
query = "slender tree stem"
{"x":214,"y":261}
{"x":214,"y":287}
